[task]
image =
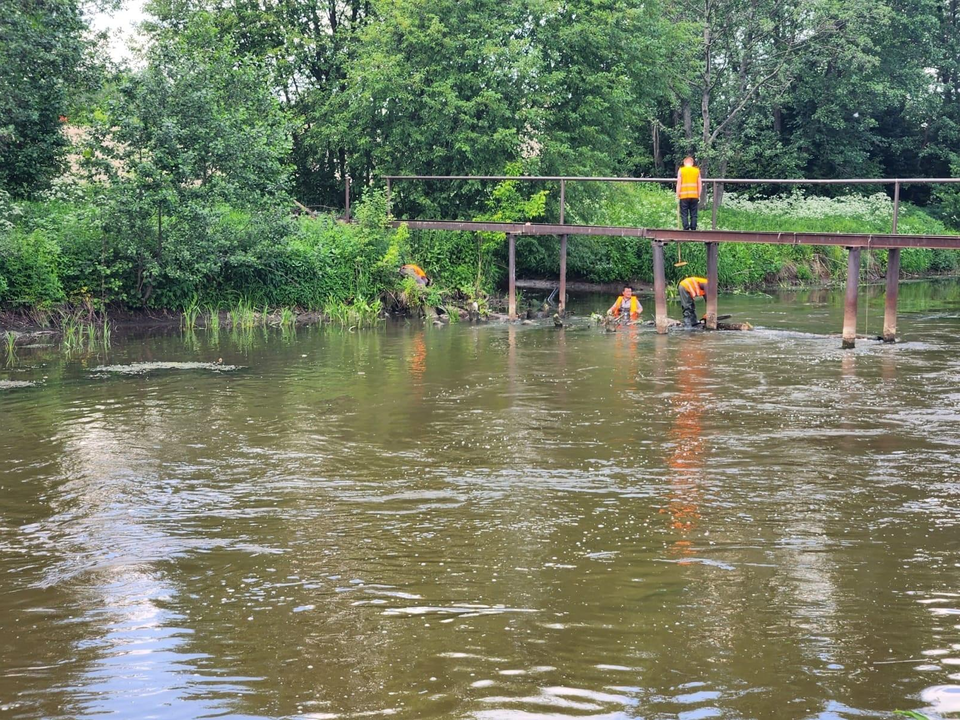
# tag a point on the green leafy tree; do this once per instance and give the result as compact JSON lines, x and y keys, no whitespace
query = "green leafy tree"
{"x":196,"y":129}
{"x":41,"y":46}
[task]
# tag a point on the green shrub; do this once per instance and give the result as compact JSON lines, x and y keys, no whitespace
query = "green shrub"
{"x":29,"y":262}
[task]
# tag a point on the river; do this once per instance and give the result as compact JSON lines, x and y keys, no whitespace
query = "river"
{"x":495,"y":522}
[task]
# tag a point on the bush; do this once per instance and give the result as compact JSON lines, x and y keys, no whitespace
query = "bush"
{"x":30,"y":262}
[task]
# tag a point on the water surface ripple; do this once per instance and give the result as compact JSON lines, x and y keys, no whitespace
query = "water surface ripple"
{"x":495,"y":523}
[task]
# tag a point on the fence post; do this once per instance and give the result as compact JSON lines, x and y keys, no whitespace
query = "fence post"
{"x":346,"y":212}
{"x":388,"y":196}
{"x":716,"y":204}
{"x":893,"y":277}
{"x":896,"y":205}
{"x":563,"y":252}
{"x":563,"y":198}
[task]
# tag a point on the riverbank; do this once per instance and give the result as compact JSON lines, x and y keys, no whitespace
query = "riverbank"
{"x":29,"y":326}
{"x":70,"y":256}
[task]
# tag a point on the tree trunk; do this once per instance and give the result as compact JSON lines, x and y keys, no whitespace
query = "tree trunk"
{"x":657,"y":156}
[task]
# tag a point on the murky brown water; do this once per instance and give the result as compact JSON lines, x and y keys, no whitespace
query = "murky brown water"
{"x":500,"y":523}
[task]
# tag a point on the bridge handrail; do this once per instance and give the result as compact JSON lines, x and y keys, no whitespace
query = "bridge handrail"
{"x":730,"y":181}
{"x":715,"y":183}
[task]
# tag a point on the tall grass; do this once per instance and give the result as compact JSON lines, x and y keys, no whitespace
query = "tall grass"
{"x":80,"y":334}
{"x":287,"y":317}
{"x":10,"y":347}
{"x":191,"y":312}
{"x":213,"y":318}
{"x":361,"y":313}
{"x":242,"y":316}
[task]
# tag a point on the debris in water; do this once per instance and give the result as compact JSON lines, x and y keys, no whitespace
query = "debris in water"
{"x":15,"y":384}
{"x":145,"y":367}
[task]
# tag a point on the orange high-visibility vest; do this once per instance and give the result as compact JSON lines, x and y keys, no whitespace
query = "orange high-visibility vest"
{"x":696,"y":286}
{"x":635,"y":307}
{"x":688,"y":182}
{"x":415,"y":269}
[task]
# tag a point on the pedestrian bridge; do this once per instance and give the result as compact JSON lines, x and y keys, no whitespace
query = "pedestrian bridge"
{"x":893,"y":241}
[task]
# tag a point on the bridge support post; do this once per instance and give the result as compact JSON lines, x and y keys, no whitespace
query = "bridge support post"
{"x":850,"y":301}
{"x":659,"y":288}
{"x":712,"y":256}
{"x":890,"y":302}
{"x":346,"y":200}
{"x":562,"y":303}
{"x":512,"y":282}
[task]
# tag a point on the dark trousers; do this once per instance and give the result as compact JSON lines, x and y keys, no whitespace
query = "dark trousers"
{"x":689,"y":309}
{"x":688,"y":213}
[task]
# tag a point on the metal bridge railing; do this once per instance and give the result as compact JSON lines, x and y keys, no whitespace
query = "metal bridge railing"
{"x":715,"y":184}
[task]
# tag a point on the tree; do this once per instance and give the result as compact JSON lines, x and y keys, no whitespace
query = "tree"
{"x":305,"y":45}
{"x":41,"y":46}
{"x":197,"y":128}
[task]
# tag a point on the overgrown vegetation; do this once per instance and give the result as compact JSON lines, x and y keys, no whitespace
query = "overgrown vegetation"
{"x":61,"y":252}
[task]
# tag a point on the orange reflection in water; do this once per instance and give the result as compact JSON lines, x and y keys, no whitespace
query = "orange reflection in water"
{"x":417,"y":360}
{"x":686,"y":462}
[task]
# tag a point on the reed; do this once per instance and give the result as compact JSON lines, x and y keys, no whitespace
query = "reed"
{"x":242,"y":316}
{"x":361,"y":313}
{"x":80,"y":333}
{"x":191,"y":311}
{"x":213,"y":318}
{"x":288,"y":318}
{"x":10,"y":347}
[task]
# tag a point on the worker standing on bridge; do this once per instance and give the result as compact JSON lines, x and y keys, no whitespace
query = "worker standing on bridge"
{"x":689,"y":187}
{"x":690,"y":289}
{"x":627,"y":307}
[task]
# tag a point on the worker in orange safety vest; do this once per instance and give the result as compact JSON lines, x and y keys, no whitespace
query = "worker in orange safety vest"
{"x":627,"y":307}
{"x":416,"y":272}
{"x":689,"y":188}
{"x":690,"y":289}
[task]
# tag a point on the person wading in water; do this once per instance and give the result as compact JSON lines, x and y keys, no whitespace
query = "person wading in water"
{"x":627,"y":307}
{"x":690,"y":289}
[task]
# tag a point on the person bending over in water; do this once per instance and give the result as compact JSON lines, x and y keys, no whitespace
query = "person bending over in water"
{"x":627,"y":307}
{"x":416,"y":272}
{"x":690,"y":289}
